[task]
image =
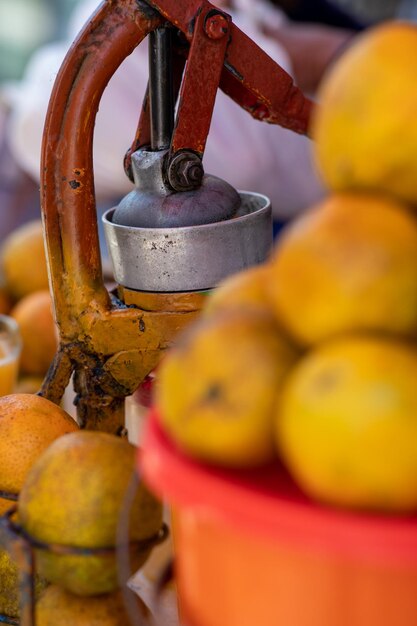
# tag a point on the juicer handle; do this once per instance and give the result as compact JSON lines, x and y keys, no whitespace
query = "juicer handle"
{"x":67,"y":180}
{"x":221,"y":55}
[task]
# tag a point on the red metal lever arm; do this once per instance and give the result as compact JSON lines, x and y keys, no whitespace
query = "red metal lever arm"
{"x":229,"y":60}
{"x":250,"y":76}
{"x":67,"y":188}
{"x":67,"y":181}
{"x":262,"y":87}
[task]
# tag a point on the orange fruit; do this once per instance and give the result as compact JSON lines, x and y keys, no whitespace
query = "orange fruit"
{"x":29,"y":384}
{"x":74,"y":495}
{"x":58,"y":607}
{"x":245,"y":290}
{"x":364,"y":129}
{"x":348,"y":265}
{"x":217,"y":388}
{"x":24,"y":261}
{"x":38,"y":332}
{"x":347,"y":424}
{"x":28,"y":425}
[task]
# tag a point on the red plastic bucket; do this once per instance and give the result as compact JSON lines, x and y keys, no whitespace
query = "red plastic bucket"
{"x":252,"y":550}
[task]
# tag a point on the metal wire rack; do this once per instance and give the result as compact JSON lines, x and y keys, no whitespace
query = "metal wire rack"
{"x":21,"y":546}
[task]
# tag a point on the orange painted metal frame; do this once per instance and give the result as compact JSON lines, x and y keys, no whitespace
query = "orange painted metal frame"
{"x":108,"y":345}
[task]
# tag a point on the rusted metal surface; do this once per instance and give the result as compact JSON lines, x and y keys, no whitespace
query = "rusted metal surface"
{"x":190,"y":302}
{"x":262,"y":87}
{"x":200,"y":84}
{"x":111,"y":343}
{"x":109,"y":346}
{"x":94,"y":330}
{"x":142,"y":136}
{"x":250,"y":76}
{"x":118,"y":350}
{"x":58,"y":375}
{"x":67,"y":190}
{"x":216,"y":25}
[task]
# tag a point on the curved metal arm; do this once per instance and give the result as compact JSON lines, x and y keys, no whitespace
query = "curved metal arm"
{"x":112,"y":347}
{"x":67,"y":180}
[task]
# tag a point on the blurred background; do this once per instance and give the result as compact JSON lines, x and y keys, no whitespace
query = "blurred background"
{"x":370,"y":10}
{"x":24,"y":26}
{"x":27,"y":24}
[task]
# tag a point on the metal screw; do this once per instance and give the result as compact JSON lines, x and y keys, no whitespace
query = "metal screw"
{"x":190,"y":173}
{"x":185,"y":172}
{"x":216,"y":26}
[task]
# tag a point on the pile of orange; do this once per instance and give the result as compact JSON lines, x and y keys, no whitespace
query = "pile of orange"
{"x":312,"y":357}
{"x":73,"y":491}
{"x":28,"y":425}
{"x":24,"y":295}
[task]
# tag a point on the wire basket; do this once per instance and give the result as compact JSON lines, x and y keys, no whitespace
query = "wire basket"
{"x":22,"y":546}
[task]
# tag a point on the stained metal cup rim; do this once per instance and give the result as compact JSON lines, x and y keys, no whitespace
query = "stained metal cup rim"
{"x":190,"y":258}
{"x":106,"y":218}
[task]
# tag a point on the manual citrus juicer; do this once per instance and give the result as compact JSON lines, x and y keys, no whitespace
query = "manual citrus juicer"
{"x":179,"y":231}
{"x":176,"y":235}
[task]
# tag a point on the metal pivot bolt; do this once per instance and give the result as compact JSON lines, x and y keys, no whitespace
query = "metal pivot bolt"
{"x":216,"y":25}
{"x":185,"y":171}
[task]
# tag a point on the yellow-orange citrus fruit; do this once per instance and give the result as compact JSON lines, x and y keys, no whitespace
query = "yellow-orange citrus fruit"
{"x":364,"y":129}
{"x":347,"y":424}
{"x":245,"y":291}
{"x":23,"y":260}
{"x":75,"y":495}
{"x":9,"y":586}
{"x":38,"y":332}
{"x":58,"y":607}
{"x":28,"y":425}
{"x":29,"y":384}
{"x":350,"y":264}
{"x":217,"y":388}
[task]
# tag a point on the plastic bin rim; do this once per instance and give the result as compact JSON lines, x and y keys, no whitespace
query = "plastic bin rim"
{"x":288,"y":517}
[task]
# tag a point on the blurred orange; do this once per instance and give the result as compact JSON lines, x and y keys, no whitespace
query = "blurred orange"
{"x":364,"y":130}
{"x":348,"y":265}
{"x":24,"y":261}
{"x":38,"y":331}
{"x":28,"y":424}
{"x":347,"y":427}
